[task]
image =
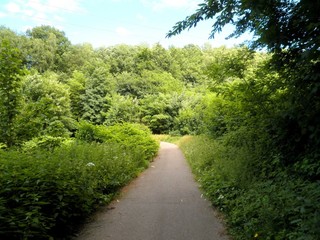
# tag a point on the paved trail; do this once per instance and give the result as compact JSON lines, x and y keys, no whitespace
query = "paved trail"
{"x":163,"y":203}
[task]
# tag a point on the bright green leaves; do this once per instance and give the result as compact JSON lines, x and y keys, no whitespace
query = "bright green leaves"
{"x":226,"y":65}
{"x":46,"y":108}
{"x":93,"y":99}
{"x":11,"y":71}
{"x":50,"y":187}
{"x":47,"y":47}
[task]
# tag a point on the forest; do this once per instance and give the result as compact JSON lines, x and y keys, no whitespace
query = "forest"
{"x":249,"y":117}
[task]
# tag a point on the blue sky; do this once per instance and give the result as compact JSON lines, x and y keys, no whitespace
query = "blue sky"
{"x":111,"y":22}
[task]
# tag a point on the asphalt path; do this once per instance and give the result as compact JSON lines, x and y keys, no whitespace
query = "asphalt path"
{"x":163,"y":203}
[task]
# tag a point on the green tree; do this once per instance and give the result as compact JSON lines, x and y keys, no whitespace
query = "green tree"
{"x":159,"y":111}
{"x":162,"y":58}
{"x":77,"y":90}
{"x":17,"y":41}
{"x":291,"y":31}
{"x":11,"y":71}
{"x":161,"y":82}
{"x":94,"y":101}
{"x":119,"y":57}
{"x":122,"y":109}
{"x":78,"y":56}
{"x":144,"y":59}
{"x":188,"y":64}
{"x":226,"y":64}
{"x":147,"y":83}
{"x":276,"y":24}
{"x":190,"y":116}
{"x":47,"y":48}
{"x":130,"y":84}
{"x":41,"y":54}
{"x":46,"y":108}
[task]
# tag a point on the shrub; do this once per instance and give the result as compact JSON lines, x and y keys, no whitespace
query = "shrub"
{"x":87,"y":132}
{"x":130,"y":135}
{"x":277,"y":205}
{"x":45,"y":142}
{"x":45,"y":194}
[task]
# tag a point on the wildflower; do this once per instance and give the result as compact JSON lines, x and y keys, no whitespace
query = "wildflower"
{"x":220,"y":197}
{"x":256,"y":235}
{"x":90,"y":164}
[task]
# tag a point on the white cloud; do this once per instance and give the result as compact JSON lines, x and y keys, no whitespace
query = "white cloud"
{"x":43,"y":11}
{"x":28,"y":12}
{"x":123,"y":31}
{"x":40,"y":16}
{"x":12,"y":7}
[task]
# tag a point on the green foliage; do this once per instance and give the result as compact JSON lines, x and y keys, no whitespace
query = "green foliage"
{"x":282,"y":207}
{"x":290,"y":30}
{"x":262,"y":169}
{"x":106,"y":85}
{"x":47,"y":193}
{"x":135,"y":136}
{"x":76,"y":90}
{"x":122,"y":109}
{"x":93,"y":100}
{"x":148,"y":83}
{"x":190,"y":114}
{"x":188,"y":64}
{"x":77,"y":57}
{"x":47,"y":48}
{"x":271,"y":24}
{"x":158,"y":112}
{"x":120,"y":58}
{"x":43,"y":143}
{"x":225,"y":65}
{"x":11,"y":71}
{"x":166,"y":138}
{"x":46,"y":109}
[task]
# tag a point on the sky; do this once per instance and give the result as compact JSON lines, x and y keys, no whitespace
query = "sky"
{"x":104,"y":23}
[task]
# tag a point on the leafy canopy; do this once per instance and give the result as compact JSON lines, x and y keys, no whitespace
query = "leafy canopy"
{"x":276,"y":24}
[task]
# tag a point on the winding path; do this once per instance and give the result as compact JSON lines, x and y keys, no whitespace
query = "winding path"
{"x":163,"y":203}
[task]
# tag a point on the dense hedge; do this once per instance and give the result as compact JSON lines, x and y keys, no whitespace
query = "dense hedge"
{"x":45,"y":194}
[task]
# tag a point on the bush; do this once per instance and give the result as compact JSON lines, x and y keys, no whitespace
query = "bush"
{"x":45,"y":142}
{"x":130,"y":135}
{"x":277,"y":205}
{"x":283,"y":208}
{"x":44,"y":195}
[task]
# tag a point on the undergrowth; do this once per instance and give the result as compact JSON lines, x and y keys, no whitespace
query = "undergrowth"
{"x":280,"y":205}
{"x":50,"y":186}
{"x":166,"y":138}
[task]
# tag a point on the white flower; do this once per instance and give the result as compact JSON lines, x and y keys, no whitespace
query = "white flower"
{"x":90,"y":164}
{"x":220,"y":197}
